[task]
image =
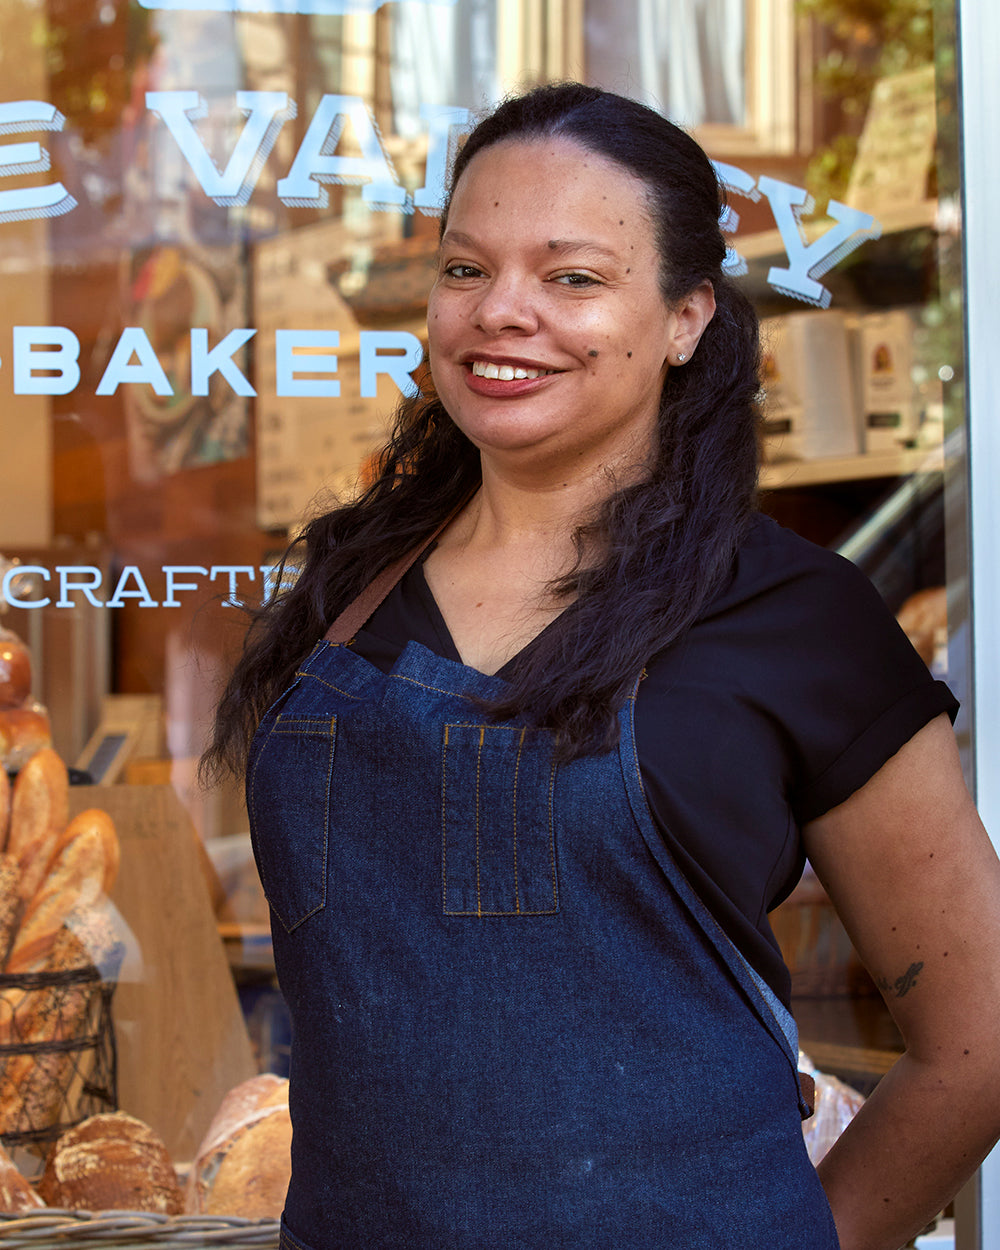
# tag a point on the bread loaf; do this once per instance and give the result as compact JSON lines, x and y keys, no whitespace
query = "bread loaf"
{"x":39,"y":812}
{"x":111,"y":1161}
{"x":23,"y":732}
{"x":243,"y":1165}
{"x":4,"y":807}
{"x":253,"y":1172}
{"x":11,"y":905}
{"x":84,"y":858}
{"x":15,"y":1193}
{"x":15,"y":671}
{"x":97,"y":820}
{"x":33,"y":1086}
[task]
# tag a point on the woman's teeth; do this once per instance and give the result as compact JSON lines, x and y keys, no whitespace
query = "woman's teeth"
{"x":506,"y":373}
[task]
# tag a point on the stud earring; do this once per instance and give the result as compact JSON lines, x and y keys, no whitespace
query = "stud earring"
{"x":681,"y":357}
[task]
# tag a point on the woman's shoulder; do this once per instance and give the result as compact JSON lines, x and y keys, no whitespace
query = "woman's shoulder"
{"x":778,"y":568}
{"x":772,"y":549}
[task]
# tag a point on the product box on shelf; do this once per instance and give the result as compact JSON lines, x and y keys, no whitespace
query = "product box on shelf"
{"x":811,"y":401}
{"x":891,"y":403}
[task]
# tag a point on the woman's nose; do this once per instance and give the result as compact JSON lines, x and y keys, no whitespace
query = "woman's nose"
{"x":507,"y":303}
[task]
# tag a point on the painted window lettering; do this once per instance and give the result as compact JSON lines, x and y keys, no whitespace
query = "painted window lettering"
{"x":316,"y":162}
{"x":46,"y":362}
{"x":32,"y":586}
{"x":51,"y":199}
{"x":316,"y":165}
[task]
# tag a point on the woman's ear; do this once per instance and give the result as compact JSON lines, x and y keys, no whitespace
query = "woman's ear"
{"x":690,"y":317}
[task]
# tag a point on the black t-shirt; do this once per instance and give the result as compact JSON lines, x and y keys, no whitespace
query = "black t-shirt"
{"x":790,"y":691}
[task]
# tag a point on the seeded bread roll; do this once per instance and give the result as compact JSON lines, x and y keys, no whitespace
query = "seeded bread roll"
{"x":16,"y":1194}
{"x":39,"y":812}
{"x":111,"y":1161}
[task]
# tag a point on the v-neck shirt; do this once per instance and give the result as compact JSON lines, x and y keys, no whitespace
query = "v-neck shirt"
{"x":790,"y":691}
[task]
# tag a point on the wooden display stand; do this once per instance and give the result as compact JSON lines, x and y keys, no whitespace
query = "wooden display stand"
{"x":182,"y":1040}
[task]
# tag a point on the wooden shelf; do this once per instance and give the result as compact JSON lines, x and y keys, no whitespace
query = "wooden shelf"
{"x":783,"y":474}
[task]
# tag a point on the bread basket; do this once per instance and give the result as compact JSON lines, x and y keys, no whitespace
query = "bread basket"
{"x":52,"y":1229}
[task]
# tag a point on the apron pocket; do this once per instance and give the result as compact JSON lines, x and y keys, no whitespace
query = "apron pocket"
{"x":289,"y":804}
{"x":498,"y":835}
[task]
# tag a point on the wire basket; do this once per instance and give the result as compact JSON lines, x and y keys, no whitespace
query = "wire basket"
{"x":53,"y":1229}
{"x":58,"y":1062}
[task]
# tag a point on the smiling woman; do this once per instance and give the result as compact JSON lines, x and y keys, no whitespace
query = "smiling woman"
{"x":546,"y":727}
{"x":548,"y":302}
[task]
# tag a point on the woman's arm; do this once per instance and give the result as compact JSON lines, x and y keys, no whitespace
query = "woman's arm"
{"x":916,"y":883}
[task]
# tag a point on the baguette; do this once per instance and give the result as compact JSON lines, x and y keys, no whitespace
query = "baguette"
{"x":94,"y":818}
{"x":39,"y":812}
{"x":74,"y":879}
{"x":4,"y":808}
{"x":11,"y":905}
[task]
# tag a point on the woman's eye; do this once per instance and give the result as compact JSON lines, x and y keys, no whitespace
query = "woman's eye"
{"x":577,"y":279}
{"x":461,"y":271}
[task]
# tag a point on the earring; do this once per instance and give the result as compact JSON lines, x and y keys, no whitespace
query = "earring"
{"x":681,"y":357}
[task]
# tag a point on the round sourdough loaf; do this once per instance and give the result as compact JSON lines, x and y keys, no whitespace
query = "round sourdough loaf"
{"x":244,"y":1163}
{"x":111,"y":1161}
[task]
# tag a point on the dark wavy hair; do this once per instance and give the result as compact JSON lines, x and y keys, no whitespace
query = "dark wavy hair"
{"x":667,"y":542}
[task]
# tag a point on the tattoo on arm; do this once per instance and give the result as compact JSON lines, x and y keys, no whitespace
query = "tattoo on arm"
{"x":902,"y":985}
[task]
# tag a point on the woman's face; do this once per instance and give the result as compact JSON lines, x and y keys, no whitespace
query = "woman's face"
{"x":548,"y":333}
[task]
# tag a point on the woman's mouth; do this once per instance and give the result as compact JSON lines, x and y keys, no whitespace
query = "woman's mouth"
{"x":506,"y":373}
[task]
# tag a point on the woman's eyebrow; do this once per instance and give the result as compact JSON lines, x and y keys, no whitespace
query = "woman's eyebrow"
{"x":561,"y":247}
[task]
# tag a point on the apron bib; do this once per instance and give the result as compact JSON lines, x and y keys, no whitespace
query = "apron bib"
{"x":514,"y":1024}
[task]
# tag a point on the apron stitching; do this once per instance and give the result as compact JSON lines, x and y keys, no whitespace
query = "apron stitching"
{"x":304,"y":672}
{"x":456,"y":694}
{"x":552,"y":838}
{"x":479,"y":771}
{"x":297,"y":724}
{"x":511,"y":915}
{"x":517,"y":775}
{"x":479,"y":911}
{"x":444,"y":823}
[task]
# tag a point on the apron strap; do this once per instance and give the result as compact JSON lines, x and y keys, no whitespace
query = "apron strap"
{"x":348,"y":622}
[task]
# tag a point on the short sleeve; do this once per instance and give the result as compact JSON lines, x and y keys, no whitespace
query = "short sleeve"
{"x":787,"y":695}
{"x":852,"y":690}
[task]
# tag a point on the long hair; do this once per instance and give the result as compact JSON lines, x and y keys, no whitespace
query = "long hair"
{"x":666,"y":543}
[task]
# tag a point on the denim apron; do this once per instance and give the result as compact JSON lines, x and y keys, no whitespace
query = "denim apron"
{"x":514,"y":1025}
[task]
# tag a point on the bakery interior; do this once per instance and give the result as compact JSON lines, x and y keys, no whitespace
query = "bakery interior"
{"x":132,"y":518}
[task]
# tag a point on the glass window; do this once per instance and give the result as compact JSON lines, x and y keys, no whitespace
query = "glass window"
{"x":217,"y":236}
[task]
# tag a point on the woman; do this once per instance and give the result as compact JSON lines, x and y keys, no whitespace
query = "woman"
{"x":520,"y":823}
